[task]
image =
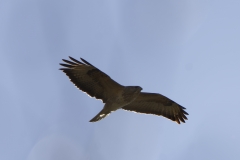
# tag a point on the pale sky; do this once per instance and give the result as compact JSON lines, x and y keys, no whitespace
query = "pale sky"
{"x":187,"y":50}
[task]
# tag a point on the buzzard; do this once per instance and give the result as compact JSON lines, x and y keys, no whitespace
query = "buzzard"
{"x":96,"y":83}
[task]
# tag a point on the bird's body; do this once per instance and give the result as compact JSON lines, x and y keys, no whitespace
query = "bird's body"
{"x":97,"y":84}
{"x":118,"y":100}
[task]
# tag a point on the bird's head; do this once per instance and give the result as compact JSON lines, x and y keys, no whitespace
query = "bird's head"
{"x":135,"y":89}
{"x":130,"y":93}
{"x":138,"y":88}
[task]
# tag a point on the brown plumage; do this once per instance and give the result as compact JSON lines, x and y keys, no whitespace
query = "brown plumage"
{"x":157,"y":104}
{"x":97,"y":84}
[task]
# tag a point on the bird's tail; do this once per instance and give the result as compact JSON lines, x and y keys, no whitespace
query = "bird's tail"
{"x":102,"y":114}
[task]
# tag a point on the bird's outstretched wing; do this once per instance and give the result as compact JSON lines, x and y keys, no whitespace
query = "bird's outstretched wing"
{"x":90,"y":79}
{"x":152,"y":103}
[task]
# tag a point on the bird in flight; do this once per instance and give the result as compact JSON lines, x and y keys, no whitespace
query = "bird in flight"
{"x":97,"y":84}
